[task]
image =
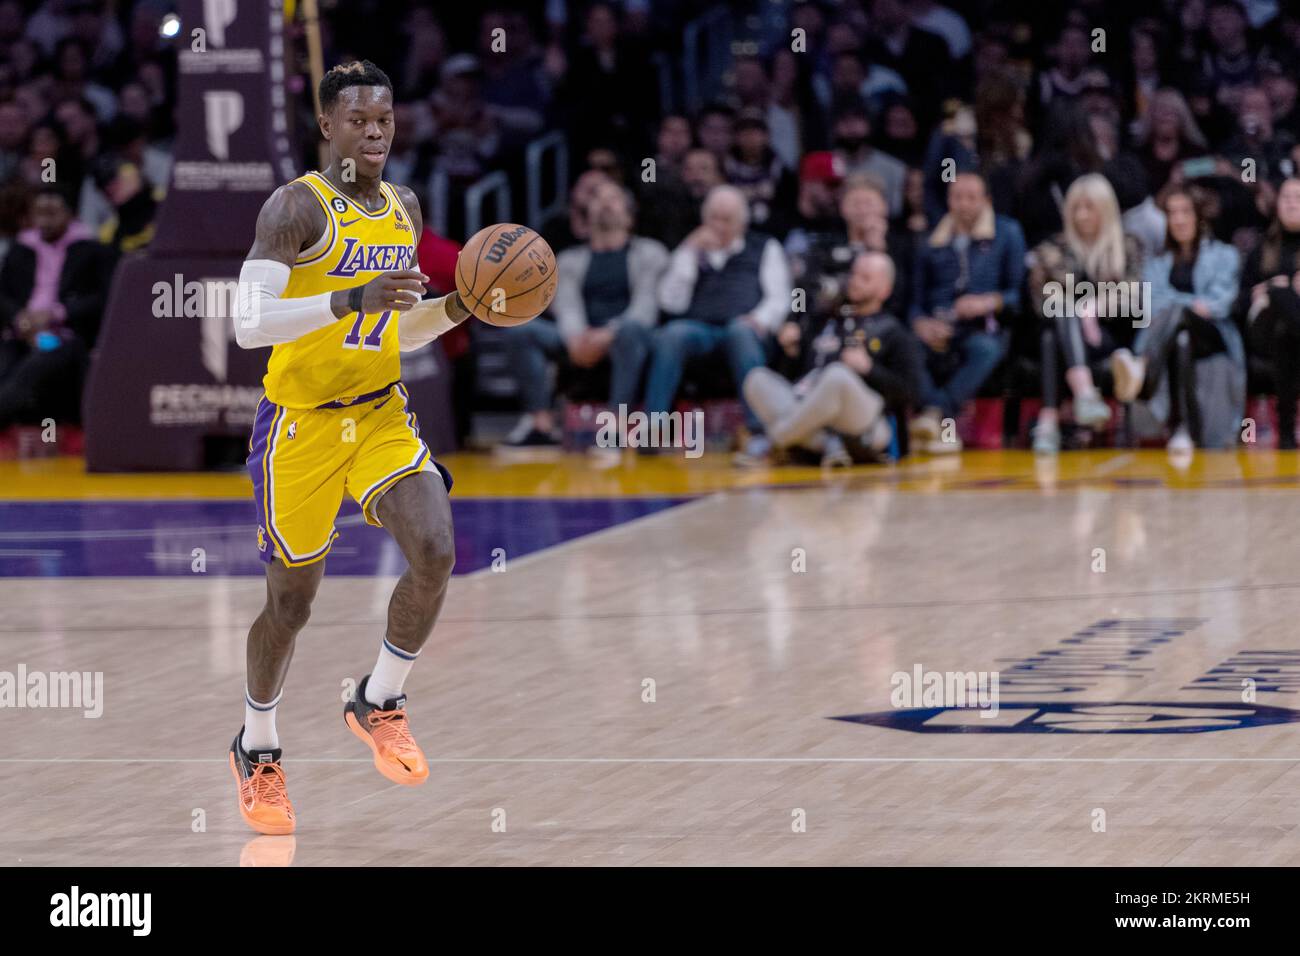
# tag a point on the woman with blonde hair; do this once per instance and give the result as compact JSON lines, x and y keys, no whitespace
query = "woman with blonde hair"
{"x":1078,"y":281}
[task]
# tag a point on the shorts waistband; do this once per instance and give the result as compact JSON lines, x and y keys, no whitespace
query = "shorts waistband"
{"x":349,"y":400}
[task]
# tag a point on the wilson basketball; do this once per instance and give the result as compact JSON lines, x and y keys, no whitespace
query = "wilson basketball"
{"x":506,"y":274}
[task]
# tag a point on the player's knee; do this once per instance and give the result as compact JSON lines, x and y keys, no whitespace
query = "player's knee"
{"x":434,"y":557}
{"x":291,"y":610}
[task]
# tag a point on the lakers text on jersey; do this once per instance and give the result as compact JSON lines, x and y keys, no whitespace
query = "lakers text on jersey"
{"x":359,"y":353}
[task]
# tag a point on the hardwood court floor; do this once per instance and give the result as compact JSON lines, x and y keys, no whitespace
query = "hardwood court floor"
{"x":529,"y":698}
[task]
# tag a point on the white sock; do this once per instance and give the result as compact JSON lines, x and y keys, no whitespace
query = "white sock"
{"x":259,"y":724}
{"x":390,"y":672}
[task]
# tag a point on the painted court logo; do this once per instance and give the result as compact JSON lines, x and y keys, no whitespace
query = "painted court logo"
{"x":1056,"y":717}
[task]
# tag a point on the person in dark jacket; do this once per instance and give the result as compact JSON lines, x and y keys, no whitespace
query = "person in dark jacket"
{"x":966,"y":278}
{"x":1270,"y":305}
{"x":53,"y":286}
{"x":822,"y":268}
{"x":862,"y":365}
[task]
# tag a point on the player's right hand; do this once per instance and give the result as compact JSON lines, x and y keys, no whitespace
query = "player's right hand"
{"x":396,"y":291}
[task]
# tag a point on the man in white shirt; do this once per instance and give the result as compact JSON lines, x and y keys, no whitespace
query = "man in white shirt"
{"x":729,"y":288}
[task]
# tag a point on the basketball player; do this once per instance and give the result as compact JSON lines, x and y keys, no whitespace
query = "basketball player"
{"x":331,"y":283}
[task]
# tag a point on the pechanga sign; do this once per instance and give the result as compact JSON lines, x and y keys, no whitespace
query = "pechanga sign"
{"x":169,"y":388}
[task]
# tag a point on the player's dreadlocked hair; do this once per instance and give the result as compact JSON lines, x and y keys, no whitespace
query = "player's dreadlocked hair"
{"x":356,"y":73}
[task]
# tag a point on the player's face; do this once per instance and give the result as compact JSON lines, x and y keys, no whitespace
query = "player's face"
{"x":360,"y":127}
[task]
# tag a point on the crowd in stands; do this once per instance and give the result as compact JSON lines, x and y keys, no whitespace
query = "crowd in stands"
{"x":900,"y":207}
{"x":86,"y":121}
{"x":889,"y":209}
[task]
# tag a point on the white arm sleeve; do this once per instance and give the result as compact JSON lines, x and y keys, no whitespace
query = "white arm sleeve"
{"x":263,"y":318}
{"x":423,"y":323}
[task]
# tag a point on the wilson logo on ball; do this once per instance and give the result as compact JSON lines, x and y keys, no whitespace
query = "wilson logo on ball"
{"x":502,"y":245}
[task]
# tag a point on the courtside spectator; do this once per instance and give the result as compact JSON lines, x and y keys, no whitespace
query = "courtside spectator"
{"x":609,"y":86}
{"x":516,"y":89}
{"x":605,"y":308}
{"x":822,"y":270}
{"x":715,"y":130}
{"x":757,"y":93}
{"x":920,"y":57}
{"x":1091,"y":248}
{"x":1168,"y":135}
{"x":852,"y":134}
{"x":575,"y":228}
{"x":672,"y":220}
{"x":1231,"y":63}
{"x":1190,"y":364}
{"x":755,"y":169}
{"x":967,"y":277}
{"x":859,"y":363}
{"x":1271,"y":306}
{"x":816,"y":210}
{"x":1066,"y":79}
{"x":947,"y":23}
{"x":52,"y":289}
{"x":667,"y":210}
{"x":1256,"y":139}
{"x":727,"y":288}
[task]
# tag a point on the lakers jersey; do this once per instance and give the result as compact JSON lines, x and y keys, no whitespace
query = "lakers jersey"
{"x":359,"y":353}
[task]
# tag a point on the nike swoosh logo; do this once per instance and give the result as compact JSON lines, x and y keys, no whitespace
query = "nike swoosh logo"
{"x":383,"y":403}
{"x":349,"y":222}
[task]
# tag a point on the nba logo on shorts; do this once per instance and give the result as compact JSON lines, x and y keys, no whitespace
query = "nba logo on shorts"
{"x":293,"y":429}
{"x":261,"y":538}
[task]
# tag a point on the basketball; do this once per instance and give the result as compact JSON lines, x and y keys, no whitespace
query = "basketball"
{"x":506,"y":274}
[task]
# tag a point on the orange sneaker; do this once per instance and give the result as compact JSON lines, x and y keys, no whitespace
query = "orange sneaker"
{"x":387,"y":734}
{"x":263,"y":796}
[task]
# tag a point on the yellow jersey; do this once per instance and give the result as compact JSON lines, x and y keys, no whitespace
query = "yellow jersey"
{"x":359,"y":353}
